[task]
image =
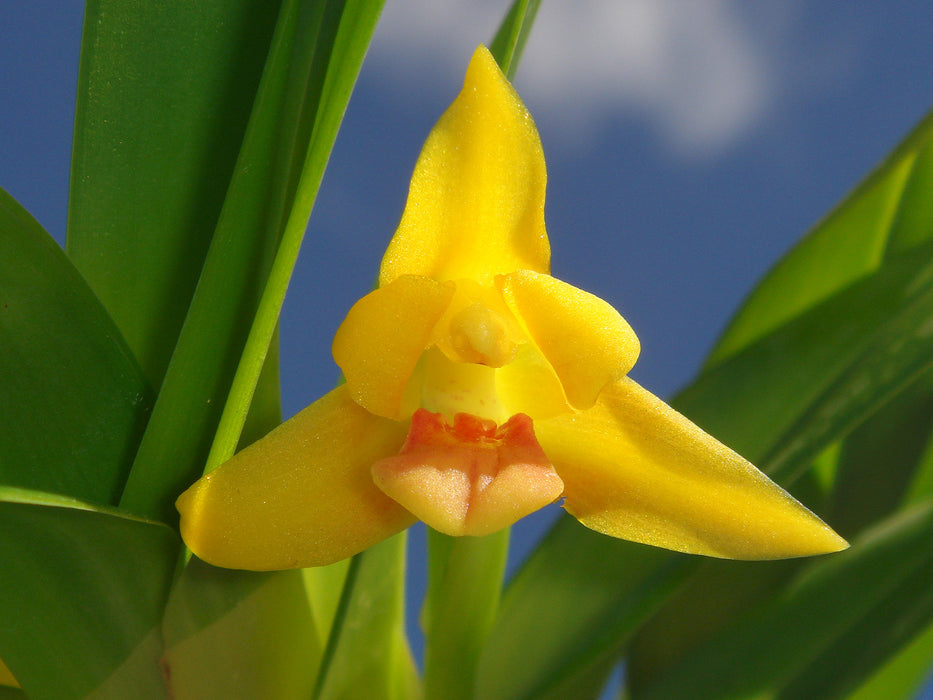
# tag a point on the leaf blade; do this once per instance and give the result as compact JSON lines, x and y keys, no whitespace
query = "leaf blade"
{"x":65,"y":371}
{"x":87,"y":590}
{"x":163,"y":88}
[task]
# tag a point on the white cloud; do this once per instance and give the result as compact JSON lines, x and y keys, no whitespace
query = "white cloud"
{"x":701,"y":72}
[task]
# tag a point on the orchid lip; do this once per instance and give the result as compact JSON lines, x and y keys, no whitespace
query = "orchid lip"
{"x":469,"y":476}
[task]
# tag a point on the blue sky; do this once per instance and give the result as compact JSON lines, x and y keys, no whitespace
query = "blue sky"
{"x":689,"y":144}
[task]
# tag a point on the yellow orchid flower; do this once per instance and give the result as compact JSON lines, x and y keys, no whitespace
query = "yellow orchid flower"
{"x":480,"y":389}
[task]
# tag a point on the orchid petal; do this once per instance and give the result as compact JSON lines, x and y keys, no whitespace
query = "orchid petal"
{"x":636,"y":469}
{"x":469,"y":478}
{"x":301,"y":496}
{"x":476,"y":200}
{"x":586,"y":341}
{"x":380,"y":341}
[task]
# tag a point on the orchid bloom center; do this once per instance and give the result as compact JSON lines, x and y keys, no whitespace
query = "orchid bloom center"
{"x":479,"y":335}
{"x":469,"y":476}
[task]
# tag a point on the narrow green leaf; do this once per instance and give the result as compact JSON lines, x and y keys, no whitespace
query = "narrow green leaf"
{"x":324,"y":585}
{"x":912,"y":224}
{"x":82,"y":589}
{"x":509,"y":43}
{"x":73,"y":401}
{"x":896,"y":354}
{"x":175,"y":447}
{"x":464,"y":586}
{"x":195,"y":387}
{"x":240,"y":634}
{"x":752,"y":400}
{"x":164,"y":93}
{"x":852,"y":241}
{"x":759,"y":655}
{"x":367,"y":655}
{"x":345,"y":35}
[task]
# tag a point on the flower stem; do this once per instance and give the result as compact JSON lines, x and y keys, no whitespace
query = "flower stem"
{"x":464,"y":586}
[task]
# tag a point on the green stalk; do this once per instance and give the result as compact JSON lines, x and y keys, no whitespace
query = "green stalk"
{"x":464,"y":587}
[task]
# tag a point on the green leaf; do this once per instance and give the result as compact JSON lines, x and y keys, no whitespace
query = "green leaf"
{"x":509,"y":43}
{"x":921,"y":485}
{"x":843,"y":598}
{"x":897,"y":437}
{"x":82,"y":591}
{"x":240,"y":634}
{"x":903,"y":612}
{"x":464,"y":586}
{"x":73,"y":402}
{"x":896,"y":354}
{"x":346,"y":31}
{"x":570,"y":609}
{"x":367,"y":655}
{"x":903,"y":675}
{"x":164,"y":93}
{"x":754,"y":400}
{"x":324,"y":585}
{"x":887,"y":213}
{"x":315,"y":59}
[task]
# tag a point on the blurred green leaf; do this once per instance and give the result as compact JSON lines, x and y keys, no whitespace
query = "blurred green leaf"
{"x":367,"y":655}
{"x":881,"y":459}
{"x":73,"y":402}
{"x":793,"y":632}
{"x":570,"y":609}
{"x":509,"y":43}
{"x":316,"y":55}
{"x":888,"y":212}
{"x":903,"y":675}
{"x":921,"y":484}
{"x":901,"y":614}
{"x":755,"y":398}
{"x":240,"y":634}
{"x":324,"y":585}
{"x":164,"y":93}
{"x":897,"y":353}
{"x":192,"y":395}
{"x":81,"y":594}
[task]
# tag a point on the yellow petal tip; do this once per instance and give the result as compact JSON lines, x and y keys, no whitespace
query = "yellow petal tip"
{"x":476,"y":201}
